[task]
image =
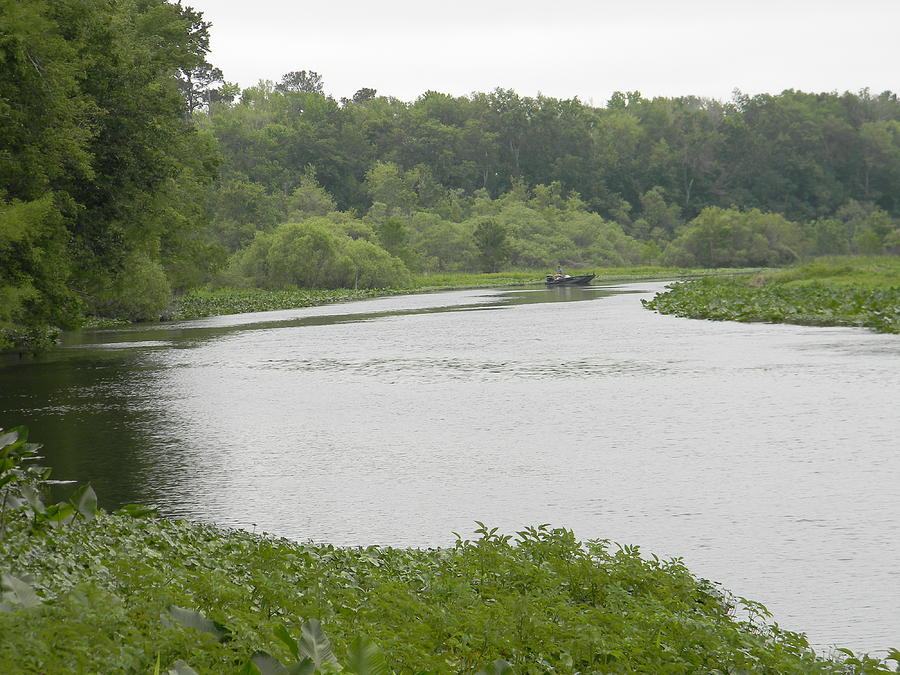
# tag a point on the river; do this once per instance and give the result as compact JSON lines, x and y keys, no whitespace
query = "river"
{"x":766,"y":456}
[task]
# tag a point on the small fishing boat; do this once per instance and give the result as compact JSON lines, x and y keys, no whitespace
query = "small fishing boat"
{"x":566,"y":280}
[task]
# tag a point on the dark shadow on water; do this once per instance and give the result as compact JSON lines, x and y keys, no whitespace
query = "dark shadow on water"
{"x":85,"y":415}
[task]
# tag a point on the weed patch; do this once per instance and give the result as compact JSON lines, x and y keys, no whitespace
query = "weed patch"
{"x":97,"y":593}
{"x":831,"y":292}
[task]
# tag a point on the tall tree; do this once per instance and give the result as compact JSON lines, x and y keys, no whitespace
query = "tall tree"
{"x":364,"y":94}
{"x":94,"y":133}
{"x":309,"y":82}
{"x":493,"y":245}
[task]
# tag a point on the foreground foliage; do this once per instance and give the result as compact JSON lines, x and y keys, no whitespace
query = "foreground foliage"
{"x":830,"y":292}
{"x":119,"y":593}
{"x":546,"y":604}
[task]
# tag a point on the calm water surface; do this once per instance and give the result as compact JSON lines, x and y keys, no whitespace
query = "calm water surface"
{"x":766,"y":456}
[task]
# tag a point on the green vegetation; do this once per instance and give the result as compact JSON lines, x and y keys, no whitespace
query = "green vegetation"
{"x":130,"y":171}
{"x":730,"y":238}
{"x":648,"y":164}
{"x":851,"y":291}
{"x":211,"y":302}
{"x":103,"y":175}
{"x":85,"y":591}
{"x":496,"y":181}
{"x":856,"y":271}
{"x":200,"y":303}
{"x":523,"y":277}
{"x":308,"y":254}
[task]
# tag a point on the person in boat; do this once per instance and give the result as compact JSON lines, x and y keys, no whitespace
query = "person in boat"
{"x":559,"y":273}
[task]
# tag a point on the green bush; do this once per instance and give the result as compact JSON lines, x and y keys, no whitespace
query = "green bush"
{"x":34,"y":270}
{"x":306,"y":255}
{"x":374,"y":267}
{"x":310,"y":254}
{"x":732,"y":238}
{"x":140,"y":292}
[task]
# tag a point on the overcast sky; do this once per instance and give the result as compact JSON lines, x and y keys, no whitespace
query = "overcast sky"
{"x":561,"y":48}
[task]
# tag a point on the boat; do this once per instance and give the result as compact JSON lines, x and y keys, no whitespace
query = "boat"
{"x":566,"y":280}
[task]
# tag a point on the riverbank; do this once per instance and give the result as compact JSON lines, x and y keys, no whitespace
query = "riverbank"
{"x":118,"y":593}
{"x":838,"y":291}
{"x":213,"y":302}
{"x":87,"y":591}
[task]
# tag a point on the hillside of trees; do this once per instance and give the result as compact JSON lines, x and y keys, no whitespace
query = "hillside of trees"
{"x":130,"y":170}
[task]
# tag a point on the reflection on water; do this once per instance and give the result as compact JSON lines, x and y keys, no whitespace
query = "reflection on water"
{"x":764,"y":455}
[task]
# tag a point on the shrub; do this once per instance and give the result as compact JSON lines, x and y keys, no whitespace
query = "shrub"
{"x":732,"y":238}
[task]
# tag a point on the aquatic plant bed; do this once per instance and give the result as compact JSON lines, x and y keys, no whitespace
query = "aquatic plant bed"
{"x":200,"y":303}
{"x":835,"y":292}
{"x":118,"y":593}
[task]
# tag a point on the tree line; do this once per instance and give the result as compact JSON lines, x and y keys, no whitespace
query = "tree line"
{"x":799,"y":154}
{"x":495,"y":179}
{"x":131,"y":170}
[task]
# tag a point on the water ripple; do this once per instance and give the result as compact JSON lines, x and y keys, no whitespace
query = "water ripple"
{"x":465,"y":369}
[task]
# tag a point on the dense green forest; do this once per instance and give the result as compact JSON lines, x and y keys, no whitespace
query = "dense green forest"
{"x":130,"y":170}
{"x":103,"y":175}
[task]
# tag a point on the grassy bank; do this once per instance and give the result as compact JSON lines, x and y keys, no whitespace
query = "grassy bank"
{"x":203,"y":302}
{"x":839,"y":291}
{"x":99,"y":598}
{"x":90,"y":592}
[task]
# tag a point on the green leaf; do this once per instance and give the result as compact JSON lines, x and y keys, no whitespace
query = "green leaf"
{"x":249,"y":668}
{"x":17,"y":591}
{"x":365,"y":658}
{"x":84,"y":499}
{"x":9,"y":438}
{"x":181,"y":668}
{"x":197,"y":621}
{"x":267,"y":664}
{"x":315,"y":644}
{"x":498,"y":667}
{"x":281,"y":632}
{"x":136,"y":511}
{"x":304,"y":667}
{"x":59,"y":514}
{"x":32,"y":497}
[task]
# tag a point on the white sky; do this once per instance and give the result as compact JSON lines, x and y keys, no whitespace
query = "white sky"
{"x":561,"y":48}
